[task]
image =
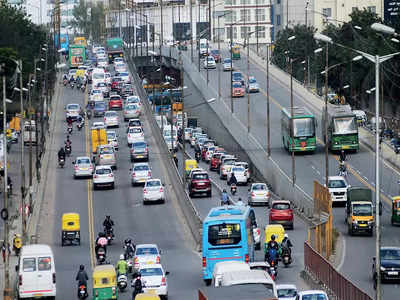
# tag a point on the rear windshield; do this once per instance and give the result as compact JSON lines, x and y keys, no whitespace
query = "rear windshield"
{"x":83,"y":161}
{"x":131,"y":107}
{"x":73,"y":107}
{"x":238,"y":169}
{"x":44,"y":263}
{"x":141,"y":168}
{"x":259,"y":187}
{"x":99,"y":104}
{"x":111,"y":114}
{"x":139,"y":145}
{"x":224,"y":234}
{"x":151,"y":272}
{"x":135,"y":130}
{"x":103,"y":171}
{"x":107,"y":150}
{"x":29,"y":264}
{"x":147,"y":251}
{"x":281,"y":206}
{"x":134,"y":123}
{"x":229,"y":161}
{"x":200,"y":176}
{"x":314,"y":297}
{"x":153,"y":183}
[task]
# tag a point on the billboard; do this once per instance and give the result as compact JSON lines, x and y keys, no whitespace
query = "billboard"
{"x":391,"y":10}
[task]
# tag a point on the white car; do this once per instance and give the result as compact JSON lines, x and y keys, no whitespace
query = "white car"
{"x":83,"y":167}
{"x":188,"y":134}
{"x":337,"y":186}
{"x":102,"y":62}
{"x":72,"y":110}
{"x":227,"y":65}
{"x":103,"y":176}
{"x":240,"y":174}
{"x":96,"y":95}
{"x":209,"y":63}
{"x":103,"y":87}
{"x":134,"y":100}
{"x":259,"y":194}
{"x":245,"y":165}
{"x":112,"y":138}
{"x":118,"y":60}
{"x":71,"y":74}
{"x":171,"y":143}
{"x":146,"y":254}
{"x":140,"y":173}
{"x":111,"y":119}
{"x":154,"y":280}
{"x":98,"y":125}
{"x":252,"y":85}
{"x":153,"y":190}
{"x":135,"y":134}
{"x":120,"y":67}
{"x":108,"y":78}
{"x":286,"y":291}
{"x":125,"y":77}
{"x":131,"y":111}
{"x":312,"y":295}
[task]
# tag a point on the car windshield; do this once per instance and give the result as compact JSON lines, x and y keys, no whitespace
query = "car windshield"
{"x":135,"y":130}
{"x":336,"y":184}
{"x":224,"y":234}
{"x":72,"y":107}
{"x":229,"y":161}
{"x":117,"y":79}
{"x":237,"y":85}
{"x":227,"y":61}
{"x":215,"y":52}
{"x":111,"y":135}
{"x":286,"y":293}
{"x":210,"y":58}
{"x":314,"y":297}
{"x":146,"y":251}
{"x":153,"y":183}
{"x":124,"y":74}
{"x":200,"y":176}
{"x":345,"y":125}
{"x":132,"y":99}
{"x":103,"y":171}
{"x":107,"y":150}
{"x":252,"y":80}
{"x":99,"y":105}
{"x":141,"y":168}
{"x":237,"y":75}
{"x":259,"y":187}
{"x":390,"y":254}
{"x":96,"y":92}
{"x":238,"y":169}
{"x":362,"y":210}
{"x":111,"y":114}
{"x":101,"y":84}
{"x":281,"y":206}
{"x":151,"y":272}
{"x":83,"y":161}
{"x":304,"y":127}
{"x":131,"y":107}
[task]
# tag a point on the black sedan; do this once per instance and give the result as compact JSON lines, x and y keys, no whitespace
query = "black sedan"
{"x":390,"y":264}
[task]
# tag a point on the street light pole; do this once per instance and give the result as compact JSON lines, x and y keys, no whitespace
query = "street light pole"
{"x":22,"y":125}
{"x":326,"y":118}
{"x":292,"y":124}
{"x":268,"y":110}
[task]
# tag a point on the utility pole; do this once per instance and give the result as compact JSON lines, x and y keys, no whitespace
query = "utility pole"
{"x":326,"y":117}
{"x":191,"y":30}
{"x":183,"y":116}
{"x":22,"y":124}
{"x":219,"y":67}
{"x":292,"y":124}
{"x":30,"y":139}
{"x":248,"y":74}
{"x":161,"y":25}
{"x":209,"y":22}
{"x":231,"y":36}
{"x":268,"y":109}
{"x":198,"y":36}
{"x":7,"y":289}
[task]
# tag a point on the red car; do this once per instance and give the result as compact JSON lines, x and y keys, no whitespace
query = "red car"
{"x":237,"y":89}
{"x":115,"y":102}
{"x":200,"y":183}
{"x":217,"y":55}
{"x":215,"y":160}
{"x":281,"y":212}
{"x":115,"y":83}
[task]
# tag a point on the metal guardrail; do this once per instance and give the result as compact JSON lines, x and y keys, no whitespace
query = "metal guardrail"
{"x":318,"y":267}
{"x":189,"y":211}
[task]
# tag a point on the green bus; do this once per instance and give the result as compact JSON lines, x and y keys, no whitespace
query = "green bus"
{"x":342,"y":128}
{"x":77,"y":55}
{"x":303,"y":138}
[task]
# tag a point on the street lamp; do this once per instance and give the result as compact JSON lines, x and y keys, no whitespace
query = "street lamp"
{"x":219,"y":51}
{"x":268,"y":107}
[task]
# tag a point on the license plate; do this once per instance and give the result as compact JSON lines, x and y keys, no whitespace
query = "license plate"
{"x":393,"y":273}
{"x":107,"y":156}
{"x":150,"y":263}
{"x":363,"y":225}
{"x":84,"y":169}
{"x":152,"y":291}
{"x":303,"y":148}
{"x":141,"y":180}
{"x":140,"y":156}
{"x":38,"y":295}
{"x":201,"y":183}
{"x":345,"y":147}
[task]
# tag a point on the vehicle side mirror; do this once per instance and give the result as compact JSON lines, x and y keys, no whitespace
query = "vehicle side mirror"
{"x":248,"y":190}
{"x":73,"y":162}
{"x":167,"y":273}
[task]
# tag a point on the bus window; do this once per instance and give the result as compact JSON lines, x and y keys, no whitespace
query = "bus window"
{"x":304,"y":127}
{"x":224,"y":234}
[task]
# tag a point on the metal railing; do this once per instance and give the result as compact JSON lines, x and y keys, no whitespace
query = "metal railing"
{"x":318,"y":267}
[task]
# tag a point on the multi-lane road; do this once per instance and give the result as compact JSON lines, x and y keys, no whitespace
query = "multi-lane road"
{"x":358,"y":251}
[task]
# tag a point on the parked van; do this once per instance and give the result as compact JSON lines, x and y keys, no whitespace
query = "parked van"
{"x":36,"y":272}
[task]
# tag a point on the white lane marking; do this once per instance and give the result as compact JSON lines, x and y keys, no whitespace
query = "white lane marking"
{"x":343,"y":255}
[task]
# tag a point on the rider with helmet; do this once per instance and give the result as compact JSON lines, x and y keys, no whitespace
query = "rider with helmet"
{"x":82,"y":277}
{"x":101,"y":242}
{"x":122,"y":266}
{"x":224,"y":198}
{"x":272,"y":244}
{"x":129,"y":248}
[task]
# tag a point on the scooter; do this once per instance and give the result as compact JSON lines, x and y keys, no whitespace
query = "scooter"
{"x":68,"y":150}
{"x":286,"y":257}
{"x":82,"y":292}
{"x":65,"y":82}
{"x":109,"y":235}
{"x":272,"y":270}
{"x":72,"y":84}
{"x":69,"y":129}
{"x":101,"y":256}
{"x":79,"y":125}
{"x":122,"y":282}
{"x":233,"y":189}
{"x":89,"y":113}
{"x":61,"y":162}
{"x":83,"y":88}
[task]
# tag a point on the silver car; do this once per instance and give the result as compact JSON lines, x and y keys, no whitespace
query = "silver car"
{"x":82,"y":167}
{"x":146,"y":254}
{"x":131,"y":111}
{"x":259,"y":194}
{"x":112,"y":138}
{"x":140,"y":172}
{"x":106,"y":156}
{"x":153,"y":190}
{"x":252,"y":85}
{"x":227,"y":65}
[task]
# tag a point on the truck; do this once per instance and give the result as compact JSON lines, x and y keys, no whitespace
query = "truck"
{"x":192,"y":122}
{"x":359,"y":211}
{"x":99,"y":137}
{"x":342,"y":128}
{"x":77,"y":55}
{"x":114,"y":48}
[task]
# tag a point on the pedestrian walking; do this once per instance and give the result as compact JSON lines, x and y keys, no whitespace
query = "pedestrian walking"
{"x":3,"y":251}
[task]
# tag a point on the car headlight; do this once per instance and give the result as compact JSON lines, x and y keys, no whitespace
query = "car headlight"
{"x":354,"y":221}
{"x":383,"y":268}
{"x":336,"y":143}
{"x":370,"y":222}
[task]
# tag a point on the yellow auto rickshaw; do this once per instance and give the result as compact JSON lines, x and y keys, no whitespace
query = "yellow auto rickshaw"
{"x":104,"y":283}
{"x":189,"y":165}
{"x":396,"y":210}
{"x":236,"y":52}
{"x":274,"y":229}
{"x":147,"y":296}
{"x":70,"y":228}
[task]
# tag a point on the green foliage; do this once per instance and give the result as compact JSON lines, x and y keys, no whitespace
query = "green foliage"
{"x":97,"y":22}
{"x":81,"y":21}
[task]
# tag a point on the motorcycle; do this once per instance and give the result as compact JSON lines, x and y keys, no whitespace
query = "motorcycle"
{"x":272,"y":270}
{"x":83,"y":88}
{"x":72,"y":85}
{"x":109,"y":235}
{"x":89,"y":114}
{"x":233,"y":189}
{"x":122,"y":282}
{"x":101,"y":255}
{"x":82,"y":292}
{"x":69,"y":129}
{"x":65,"y":82}
{"x":272,"y":259}
{"x":286,"y":257}
{"x":68,"y":150}
{"x":79,"y":125}
{"x":197,"y":156}
{"x":61,"y":162}
{"x":9,"y":187}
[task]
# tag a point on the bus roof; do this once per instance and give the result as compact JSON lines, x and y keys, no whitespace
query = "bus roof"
{"x":229,"y":212}
{"x":298,"y":112}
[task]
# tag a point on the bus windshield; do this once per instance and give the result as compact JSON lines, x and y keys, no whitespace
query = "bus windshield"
{"x":224,"y":234}
{"x":304,"y":127}
{"x":345,"y":125}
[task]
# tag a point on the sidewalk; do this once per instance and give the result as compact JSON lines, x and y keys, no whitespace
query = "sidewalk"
{"x":15,"y":225}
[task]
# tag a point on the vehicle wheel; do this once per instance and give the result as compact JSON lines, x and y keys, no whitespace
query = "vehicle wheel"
{"x":350,"y":231}
{"x":165,"y":297}
{"x":207,"y":281}
{"x":62,"y":242}
{"x":371,"y":233}
{"x":144,"y":202}
{"x":112,"y":186}
{"x":133,"y":184}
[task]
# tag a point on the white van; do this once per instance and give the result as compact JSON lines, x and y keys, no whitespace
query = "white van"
{"x":98,"y":75}
{"x":30,"y":132}
{"x":204,"y":48}
{"x":36,"y":272}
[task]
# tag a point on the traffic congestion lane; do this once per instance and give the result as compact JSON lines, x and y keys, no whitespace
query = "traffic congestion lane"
{"x":309,"y":167}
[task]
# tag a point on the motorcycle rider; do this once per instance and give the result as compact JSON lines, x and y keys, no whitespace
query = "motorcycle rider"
{"x":286,"y":243}
{"x":68,"y":143}
{"x":342,"y":156}
{"x":122,"y":266}
{"x":129,"y":248}
{"x":82,"y":277}
{"x":272,"y":244}
{"x":240,"y":202}
{"x":137,"y":286}
{"x":175,"y":160}
{"x":61,"y":154}
{"x":108,"y":224}
{"x":101,"y":242}
{"x":224,"y":198}
{"x":232,"y":179}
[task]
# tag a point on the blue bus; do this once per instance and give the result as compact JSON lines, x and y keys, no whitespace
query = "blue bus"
{"x":228,"y":234}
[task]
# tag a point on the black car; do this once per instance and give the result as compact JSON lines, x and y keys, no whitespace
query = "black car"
{"x":390,"y":264}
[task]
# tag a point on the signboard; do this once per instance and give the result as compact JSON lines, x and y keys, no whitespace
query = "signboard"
{"x":76,"y":55}
{"x":391,"y":10}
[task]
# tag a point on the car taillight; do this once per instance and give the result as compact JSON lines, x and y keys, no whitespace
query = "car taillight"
{"x":134,"y":174}
{"x":163,"y":282}
{"x":268,"y":194}
{"x":91,"y":167}
{"x":54,"y":278}
{"x":76,"y":167}
{"x":158,"y":259}
{"x":204,"y":262}
{"x":142,"y":134}
{"x":161,"y":190}
{"x":252,"y":194}
{"x":146,"y":150}
{"x":149,"y":174}
{"x":20,"y":279}
{"x":95,"y":176}
{"x":246,"y":258}
{"x":110,"y":175}
{"x":113,"y":290}
{"x":144,"y":191}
